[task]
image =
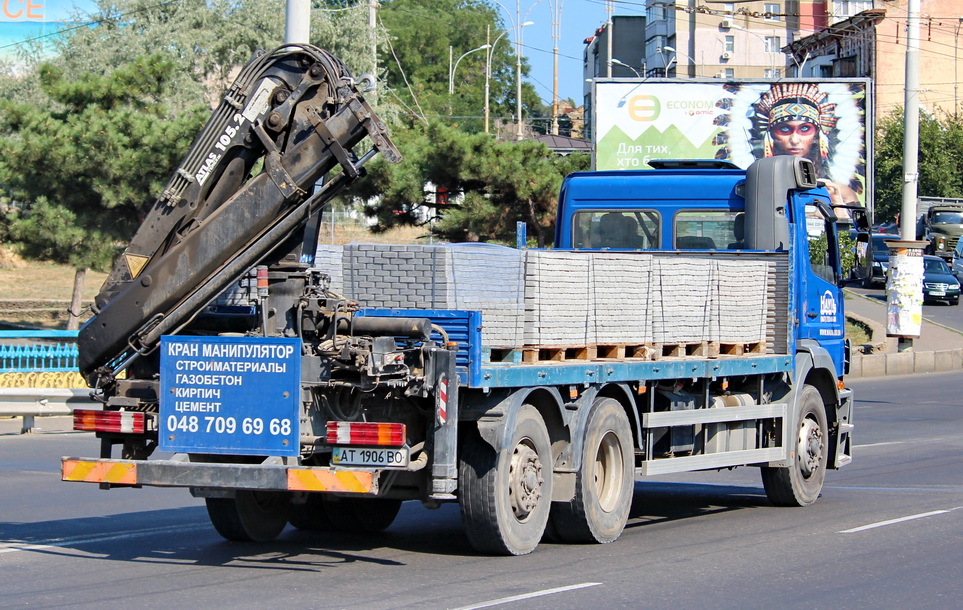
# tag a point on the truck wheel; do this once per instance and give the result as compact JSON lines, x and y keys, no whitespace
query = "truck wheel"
{"x":251,"y":516}
{"x":363,"y":515}
{"x":800,"y":484}
{"x":311,"y":515}
{"x":604,"y":482}
{"x":505,"y":496}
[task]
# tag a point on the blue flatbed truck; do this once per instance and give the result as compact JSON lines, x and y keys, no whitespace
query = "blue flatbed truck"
{"x":305,"y":409}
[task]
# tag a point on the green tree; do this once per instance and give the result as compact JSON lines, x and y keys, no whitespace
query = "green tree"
{"x":492,"y":185}
{"x":940,"y":161}
{"x":206,"y":40}
{"x":416,"y":61}
{"x":82,"y":169}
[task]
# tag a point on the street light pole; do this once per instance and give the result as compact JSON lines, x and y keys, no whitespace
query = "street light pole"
{"x":556,"y":7}
{"x":619,"y":62}
{"x":956,"y":74}
{"x":451,"y":72}
{"x":676,"y":54}
{"x":518,"y":69}
{"x":488,"y":66}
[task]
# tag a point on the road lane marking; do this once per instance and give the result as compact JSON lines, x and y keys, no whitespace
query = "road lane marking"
{"x":952,"y":490}
{"x":899,"y":520}
{"x":524,"y":596}
{"x":15,"y":547}
{"x":880,"y":444}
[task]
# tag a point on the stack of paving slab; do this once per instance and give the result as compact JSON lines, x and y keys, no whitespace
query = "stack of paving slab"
{"x":552,"y":298}
{"x":472,"y":277}
{"x":740,"y":301}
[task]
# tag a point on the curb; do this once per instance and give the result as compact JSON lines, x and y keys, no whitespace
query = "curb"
{"x":905,"y":363}
{"x":881,"y":359}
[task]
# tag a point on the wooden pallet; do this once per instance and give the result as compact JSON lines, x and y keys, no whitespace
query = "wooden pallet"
{"x":586,"y":353}
{"x":530,"y":354}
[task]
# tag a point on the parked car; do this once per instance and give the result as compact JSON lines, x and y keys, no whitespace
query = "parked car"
{"x":880,"y":259}
{"x":939,"y":283}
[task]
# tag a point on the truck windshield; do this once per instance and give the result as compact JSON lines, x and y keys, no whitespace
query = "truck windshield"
{"x":948,"y":218}
{"x":621,"y":229}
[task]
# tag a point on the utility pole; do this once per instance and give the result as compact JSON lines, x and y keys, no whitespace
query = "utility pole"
{"x":911,"y":124}
{"x":556,"y":33}
{"x":904,"y":288}
{"x":608,"y":38}
{"x":373,"y":29}
{"x":297,"y":22}
{"x":518,"y":69}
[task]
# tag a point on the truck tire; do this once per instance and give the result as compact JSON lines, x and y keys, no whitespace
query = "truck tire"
{"x":604,"y":482}
{"x":800,"y":484}
{"x":312,"y":515}
{"x":505,"y":496}
{"x":361,"y":515}
{"x":251,"y":516}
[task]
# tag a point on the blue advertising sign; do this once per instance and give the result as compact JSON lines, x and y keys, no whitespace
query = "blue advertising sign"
{"x":230,"y":395}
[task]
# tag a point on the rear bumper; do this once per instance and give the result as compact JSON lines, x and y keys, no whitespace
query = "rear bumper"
{"x":177,"y":473}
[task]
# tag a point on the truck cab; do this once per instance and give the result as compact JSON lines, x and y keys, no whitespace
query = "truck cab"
{"x":713,"y":205}
{"x":942,"y":226}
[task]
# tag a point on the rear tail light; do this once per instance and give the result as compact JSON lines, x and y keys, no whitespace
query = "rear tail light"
{"x":129,"y":422}
{"x":364,"y":433}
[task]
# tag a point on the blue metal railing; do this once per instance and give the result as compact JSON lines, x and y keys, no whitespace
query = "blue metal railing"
{"x":27,"y":358}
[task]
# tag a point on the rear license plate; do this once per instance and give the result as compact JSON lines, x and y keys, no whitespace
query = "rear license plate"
{"x":379,"y":457}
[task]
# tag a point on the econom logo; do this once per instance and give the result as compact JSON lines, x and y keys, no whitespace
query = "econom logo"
{"x":644,"y":108}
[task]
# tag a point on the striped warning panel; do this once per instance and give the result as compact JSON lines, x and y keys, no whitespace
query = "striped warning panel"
{"x":329,"y":480}
{"x":98,"y":472}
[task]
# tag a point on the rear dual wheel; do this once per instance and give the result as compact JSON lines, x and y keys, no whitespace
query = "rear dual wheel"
{"x":250,"y":516}
{"x":505,"y":496}
{"x":260,"y":516}
{"x":604,"y":483}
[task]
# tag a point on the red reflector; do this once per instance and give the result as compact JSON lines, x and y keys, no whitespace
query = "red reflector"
{"x":128,"y":422}
{"x":365,"y":433}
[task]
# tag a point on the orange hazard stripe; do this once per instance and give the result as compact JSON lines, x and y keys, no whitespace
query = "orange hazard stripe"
{"x":98,"y":472}
{"x":328,"y":480}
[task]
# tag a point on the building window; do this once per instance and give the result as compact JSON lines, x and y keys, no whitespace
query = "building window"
{"x":772,"y":12}
{"x":730,"y":44}
{"x":844,"y":9}
{"x":773,"y":73}
{"x":730,"y":72}
{"x":729,"y":7}
{"x":772,"y":44}
{"x":653,"y":46}
{"x":655,"y":11}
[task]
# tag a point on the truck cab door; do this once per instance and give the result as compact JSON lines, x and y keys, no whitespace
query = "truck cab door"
{"x":822,"y":317}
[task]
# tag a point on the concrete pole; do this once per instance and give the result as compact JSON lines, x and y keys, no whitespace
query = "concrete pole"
{"x":904,"y":290}
{"x":911,"y":124}
{"x":488,"y":70}
{"x":373,"y":29}
{"x":297,"y":22}
{"x":518,"y":69}
{"x":608,"y":38}
{"x":556,"y":33}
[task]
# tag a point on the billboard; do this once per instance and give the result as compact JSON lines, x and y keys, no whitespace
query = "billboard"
{"x":35,"y":20}
{"x":825,"y":121}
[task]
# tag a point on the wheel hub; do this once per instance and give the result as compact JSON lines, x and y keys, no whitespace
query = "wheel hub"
{"x":810,"y":447}
{"x":525,"y":481}
{"x":608,"y":472}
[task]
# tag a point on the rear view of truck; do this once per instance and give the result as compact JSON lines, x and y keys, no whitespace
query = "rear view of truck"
{"x":531,"y":387}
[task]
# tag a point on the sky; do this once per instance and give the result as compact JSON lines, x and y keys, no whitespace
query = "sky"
{"x":579,"y":20}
